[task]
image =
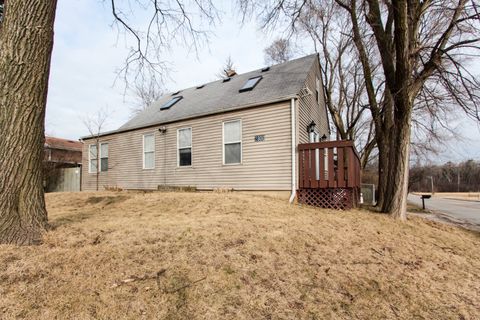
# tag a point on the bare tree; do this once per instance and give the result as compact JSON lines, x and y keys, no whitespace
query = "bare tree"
{"x":417,"y":42}
{"x":26,"y":42}
{"x":145,"y":94}
{"x":278,"y":52}
{"x":95,"y":125}
{"x":227,"y":70}
{"x":420,"y":45}
{"x":169,"y":22}
{"x":344,"y":85}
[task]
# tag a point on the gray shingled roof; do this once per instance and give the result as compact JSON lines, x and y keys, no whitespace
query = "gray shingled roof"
{"x":281,"y":82}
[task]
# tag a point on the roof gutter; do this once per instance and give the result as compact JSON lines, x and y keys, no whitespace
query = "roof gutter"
{"x":246,"y":106}
{"x":294,"y":156}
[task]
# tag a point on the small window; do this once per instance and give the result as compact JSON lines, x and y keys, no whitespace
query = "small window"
{"x":92,"y":158}
{"x":149,"y":151}
{"x":170,"y":103}
{"x":103,"y":157}
{"x":184,"y":143}
{"x":232,"y":142}
{"x":251,"y":83}
{"x":317,"y":88}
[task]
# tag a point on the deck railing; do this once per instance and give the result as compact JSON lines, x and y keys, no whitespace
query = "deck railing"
{"x":330,"y":164}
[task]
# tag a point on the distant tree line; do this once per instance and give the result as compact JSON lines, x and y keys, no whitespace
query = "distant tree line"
{"x":449,"y":177}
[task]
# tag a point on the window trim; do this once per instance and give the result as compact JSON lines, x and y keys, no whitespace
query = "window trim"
{"x":317,"y":89}
{"x":100,"y":150}
{"x":240,"y":141}
{"x":191,"y":147}
{"x":143,"y":150}
{"x":90,"y":158}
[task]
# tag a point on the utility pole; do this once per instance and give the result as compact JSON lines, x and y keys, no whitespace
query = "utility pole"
{"x":458,"y":179}
{"x":431,"y":181}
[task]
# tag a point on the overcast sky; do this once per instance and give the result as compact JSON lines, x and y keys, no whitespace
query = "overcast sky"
{"x":87,"y":52}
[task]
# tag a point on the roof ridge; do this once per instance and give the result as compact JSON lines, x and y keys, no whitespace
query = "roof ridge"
{"x":233,"y":77}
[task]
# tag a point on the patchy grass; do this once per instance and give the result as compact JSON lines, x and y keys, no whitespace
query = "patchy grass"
{"x":236,"y":256}
{"x":416,"y":209}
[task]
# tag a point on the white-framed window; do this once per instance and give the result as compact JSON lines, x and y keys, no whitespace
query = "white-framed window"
{"x":184,"y":146}
{"x":232,"y":142}
{"x":92,"y":158}
{"x":103,"y":157}
{"x":149,"y":151}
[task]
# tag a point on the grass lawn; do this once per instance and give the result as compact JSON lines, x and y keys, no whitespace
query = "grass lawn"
{"x":236,"y":256}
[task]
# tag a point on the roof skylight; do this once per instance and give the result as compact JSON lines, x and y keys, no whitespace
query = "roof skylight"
{"x":170,"y":103}
{"x":226,"y":79}
{"x":265,"y":69}
{"x":251,"y":83}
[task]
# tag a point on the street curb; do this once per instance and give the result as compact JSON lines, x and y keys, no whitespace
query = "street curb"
{"x":467,"y":200}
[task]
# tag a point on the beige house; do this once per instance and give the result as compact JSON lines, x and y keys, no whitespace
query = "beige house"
{"x":241,"y":132}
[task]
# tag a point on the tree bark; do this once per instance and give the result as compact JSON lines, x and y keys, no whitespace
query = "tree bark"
{"x":26,"y":41}
{"x":395,"y":201}
{"x":382,"y":171}
{"x":383,"y":126}
{"x":395,"y":197}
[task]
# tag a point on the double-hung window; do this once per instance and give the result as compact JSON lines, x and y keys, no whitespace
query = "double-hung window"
{"x":232,"y":142}
{"x":184,"y":144}
{"x":92,"y":158}
{"x":149,"y":151}
{"x":103,"y":156}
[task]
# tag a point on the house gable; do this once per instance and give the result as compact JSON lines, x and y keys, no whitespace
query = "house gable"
{"x":310,"y":109}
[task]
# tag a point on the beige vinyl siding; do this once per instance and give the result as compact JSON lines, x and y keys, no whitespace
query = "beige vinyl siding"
{"x":265,"y":165}
{"x":309,"y":109}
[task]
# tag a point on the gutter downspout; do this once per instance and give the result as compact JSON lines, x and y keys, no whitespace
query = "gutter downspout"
{"x":294,"y":157}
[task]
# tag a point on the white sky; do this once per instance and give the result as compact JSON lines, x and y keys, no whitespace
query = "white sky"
{"x":86,"y":55}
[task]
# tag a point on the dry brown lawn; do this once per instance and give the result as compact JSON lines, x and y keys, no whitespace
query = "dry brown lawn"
{"x":236,"y":256}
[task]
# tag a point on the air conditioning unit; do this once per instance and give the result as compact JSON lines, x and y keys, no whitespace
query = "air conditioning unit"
{"x":305,"y":92}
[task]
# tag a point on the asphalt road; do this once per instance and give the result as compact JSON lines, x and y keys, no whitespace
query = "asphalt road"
{"x":464,"y":211}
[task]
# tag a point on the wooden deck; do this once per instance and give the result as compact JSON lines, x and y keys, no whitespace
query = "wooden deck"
{"x":329,"y":174}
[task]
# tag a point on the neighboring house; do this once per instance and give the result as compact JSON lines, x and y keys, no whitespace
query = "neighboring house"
{"x":240,"y":133}
{"x":62,"y":164}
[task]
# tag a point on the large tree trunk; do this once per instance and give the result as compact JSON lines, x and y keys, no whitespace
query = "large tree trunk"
{"x":395,"y":197}
{"x":382,"y":171}
{"x":395,"y":201}
{"x":26,"y":41}
{"x":383,"y":126}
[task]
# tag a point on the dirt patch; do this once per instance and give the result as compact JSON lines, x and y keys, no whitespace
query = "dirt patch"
{"x":236,"y":256}
{"x":106,"y":200}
